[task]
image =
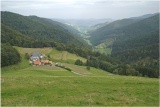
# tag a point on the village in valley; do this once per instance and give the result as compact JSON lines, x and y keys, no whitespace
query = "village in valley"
{"x":37,"y":59}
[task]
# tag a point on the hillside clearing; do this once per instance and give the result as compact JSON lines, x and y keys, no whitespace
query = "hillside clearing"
{"x":64,"y":55}
{"x":31,"y":50}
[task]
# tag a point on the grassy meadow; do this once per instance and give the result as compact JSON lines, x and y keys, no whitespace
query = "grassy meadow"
{"x":54,"y":86}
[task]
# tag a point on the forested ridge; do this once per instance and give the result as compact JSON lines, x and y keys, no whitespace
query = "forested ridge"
{"x":107,"y":30}
{"x":136,"y":44}
{"x":14,"y":37}
{"x":40,"y":29}
{"x":52,"y":23}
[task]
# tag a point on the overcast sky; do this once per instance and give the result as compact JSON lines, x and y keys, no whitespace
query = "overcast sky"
{"x":81,"y":9}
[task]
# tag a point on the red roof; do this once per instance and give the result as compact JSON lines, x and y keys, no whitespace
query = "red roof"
{"x":37,"y":62}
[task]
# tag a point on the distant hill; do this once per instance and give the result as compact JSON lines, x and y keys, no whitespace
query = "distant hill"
{"x":83,"y":22}
{"x":52,"y":22}
{"x":141,"y":34}
{"x":143,"y":16}
{"x":95,"y":27}
{"x":98,"y":35}
{"x":68,"y":28}
{"x":112,"y":28}
{"x":39,"y":29}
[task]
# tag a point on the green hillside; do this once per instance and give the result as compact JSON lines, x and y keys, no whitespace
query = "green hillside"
{"x":62,"y":88}
{"x":98,"y":35}
{"x":95,"y":27}
{"x":141,"y":29}
{"x":14,"y":37}
{"x":102,"y":31}
{"x":54,"y":86}
{"x":40,"y":29}
{"x":140,"y":45}
{"x":136,"y":43}
{"x":143,"y":35}
{"x":50,"y":22}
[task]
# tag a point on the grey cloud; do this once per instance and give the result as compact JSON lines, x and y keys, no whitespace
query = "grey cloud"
{"x":81,"y":8}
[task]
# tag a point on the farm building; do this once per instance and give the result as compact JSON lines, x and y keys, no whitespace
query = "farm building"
{"x":39,"y":59}
{"x":35,"y":56}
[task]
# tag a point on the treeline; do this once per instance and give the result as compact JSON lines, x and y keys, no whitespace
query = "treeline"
{"x":115,"y":66}
{"x":9,"y":55}
{"x":111,"y":65}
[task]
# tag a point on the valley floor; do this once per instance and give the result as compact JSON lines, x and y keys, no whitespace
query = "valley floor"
{"x":54,"y":86}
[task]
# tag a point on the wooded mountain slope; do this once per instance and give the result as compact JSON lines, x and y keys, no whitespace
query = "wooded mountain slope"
{"x":102,"y":33}
{"x":40,"y":29}
{"x":136,"y":43}
{"x":118,"y":28}
{"x":142,"y":33}
{"x":52,"y":22}
{"x":127,"y":36}
{"x":14,"y":37}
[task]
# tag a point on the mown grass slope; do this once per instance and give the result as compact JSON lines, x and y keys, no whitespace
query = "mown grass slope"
{"x":63,"y":88}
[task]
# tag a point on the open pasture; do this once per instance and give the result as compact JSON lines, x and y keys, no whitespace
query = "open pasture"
{"x":35,"y":86}
{"x":64,"y":55}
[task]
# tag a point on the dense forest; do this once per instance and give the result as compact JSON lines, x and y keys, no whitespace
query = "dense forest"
{"x":39,"y":29}
{"x":14,"y":37}
{"x":114,"y":28}
{"x":134,"y":49}
{"x":100,"y":34}
{"x":136,"y":42}
{"x":50,"y":22}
